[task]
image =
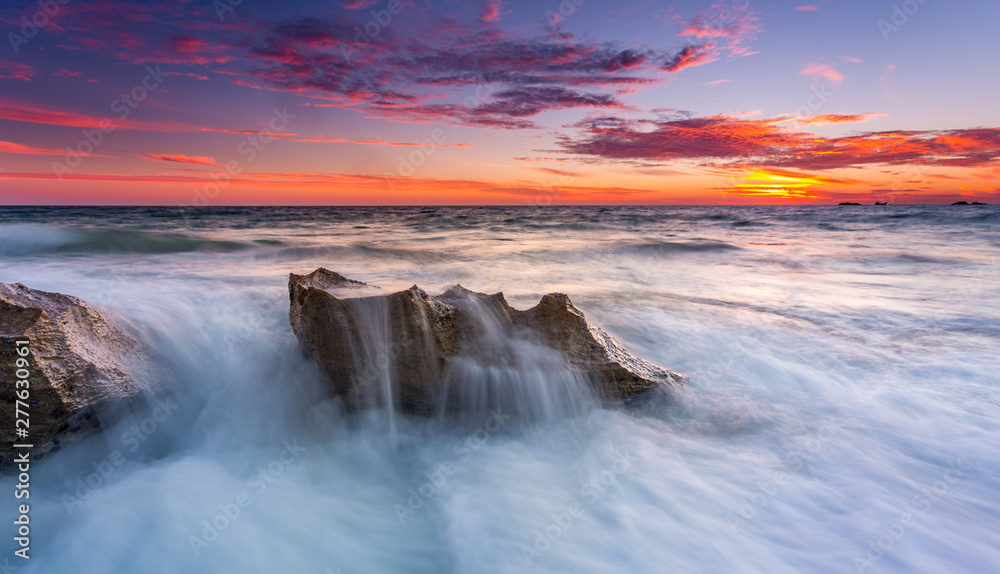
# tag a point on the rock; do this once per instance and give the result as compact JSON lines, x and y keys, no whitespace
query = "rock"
{"x":848,"y":203}
{"x":85,"y":367}
{"x":399,"y":348}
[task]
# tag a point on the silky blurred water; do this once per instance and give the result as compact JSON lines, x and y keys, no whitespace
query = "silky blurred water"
{"x":840,"y":413}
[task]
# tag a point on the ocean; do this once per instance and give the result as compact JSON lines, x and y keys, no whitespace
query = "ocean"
{"x":841,"y":411}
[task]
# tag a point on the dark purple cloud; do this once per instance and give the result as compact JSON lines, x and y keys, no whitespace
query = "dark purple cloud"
{"x":409,"y":64}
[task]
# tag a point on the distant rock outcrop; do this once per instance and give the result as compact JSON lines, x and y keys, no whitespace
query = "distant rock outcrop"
{"x":363,"y":339}
{"x":85,"y":367}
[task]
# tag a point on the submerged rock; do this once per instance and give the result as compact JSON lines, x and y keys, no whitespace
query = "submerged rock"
{"x":414,"y":352}
{"x":85,"y":367}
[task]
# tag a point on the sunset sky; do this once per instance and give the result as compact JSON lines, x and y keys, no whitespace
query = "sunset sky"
{"x":231,"y":102}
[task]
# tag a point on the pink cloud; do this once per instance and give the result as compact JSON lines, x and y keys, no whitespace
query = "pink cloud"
{"x":807,"y":8}
{"x":818,"y":71}
{"x":732,"y":23}
{"x":15,"y":71}
{"x":491,"y":11}
{"x":690,"y":56}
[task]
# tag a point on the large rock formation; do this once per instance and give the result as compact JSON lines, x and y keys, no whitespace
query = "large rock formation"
{"x":401,"y":348}
{"x":85,"y":367}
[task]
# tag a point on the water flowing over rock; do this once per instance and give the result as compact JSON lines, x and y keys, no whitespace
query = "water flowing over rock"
{"x":460,"y":351}
{"x":86,"y":366}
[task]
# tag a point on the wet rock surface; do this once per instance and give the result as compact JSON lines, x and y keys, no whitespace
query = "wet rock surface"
{"x":86,"y":367}
{"x":403,"y":348}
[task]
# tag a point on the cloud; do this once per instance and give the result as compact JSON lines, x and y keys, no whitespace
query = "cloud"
{"x":491,"y":11}
{"x":689,"y":56}
{"x":820,"y":71}
{"x":716,"y":82}
{"x":826,"y":119}
{"x":16,"y":148}
{"x":15,"y":71}
{"x":359,"y":4}
{"x":11,"y":109}
{"x":480,"y":78}
{"x":424,"y":65}
{"x":559,"y":172}
{"x":310,"y":188}
{"x":375,"y":141}
{"x":529,"y":101}
{"x":178,"y":33}
{"x":731,"y":24}
{"x":182,"y":158}
{"x":728,"y":142}
{"x":807,"y":8}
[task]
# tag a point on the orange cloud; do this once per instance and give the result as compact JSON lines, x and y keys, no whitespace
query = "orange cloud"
{"x":11,"y":109}
{"x":736,"y":142}
{"x":350,"y":188}
{"x":11,"y":147}
{"x":181,"y":158}
{"x":826,"y":119}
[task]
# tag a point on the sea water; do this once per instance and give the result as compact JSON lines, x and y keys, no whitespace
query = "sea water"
{"x":841,"y":411}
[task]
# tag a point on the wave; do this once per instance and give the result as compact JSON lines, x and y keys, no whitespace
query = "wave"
{"x":36,"y":239}
{"x":680,"y":247}
{"x":356,"y":250}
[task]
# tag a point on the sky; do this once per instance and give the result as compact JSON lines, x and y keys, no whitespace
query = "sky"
{"x":535,"y":102}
